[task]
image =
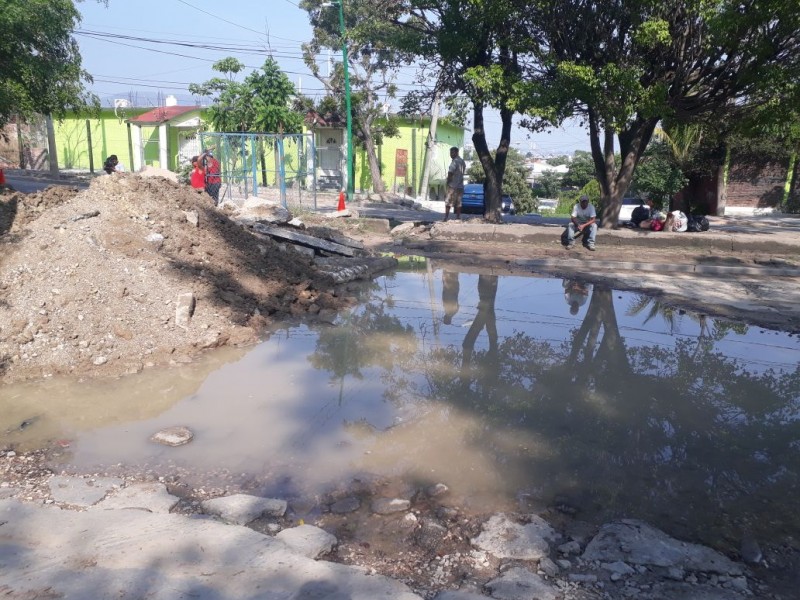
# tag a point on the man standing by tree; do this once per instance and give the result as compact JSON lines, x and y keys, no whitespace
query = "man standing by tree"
{"x":455,"y":184}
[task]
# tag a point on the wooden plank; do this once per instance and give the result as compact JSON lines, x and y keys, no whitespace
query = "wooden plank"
{"x":302,"y":239}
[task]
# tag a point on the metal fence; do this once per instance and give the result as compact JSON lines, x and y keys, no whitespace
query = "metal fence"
{"x":273,"y":166}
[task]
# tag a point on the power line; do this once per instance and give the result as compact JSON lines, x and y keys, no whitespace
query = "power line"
{"x":218,"y":17}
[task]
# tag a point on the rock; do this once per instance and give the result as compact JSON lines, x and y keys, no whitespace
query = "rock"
{"x":387,"y":506}
{"x":402,"y":230}
{"x":376,"y":225}
{"x":750,"y":550}
{"x":618,"y":567}
{"x":308,"y":540}
{"x":173,"y":436}
{"x":521,"y":584}
{"x":240,"y":509}
{"x":100,"y":360}
{"x":156,"y":239}
{"x":638,"y":543}
{"x":184,"y":309}
{"x":582,"y":578}
{"x":192,"y":217}
{"x":346,"y":505}
{"x":81,"y":492}
{"x":437,"y":490}
{"x":503,"y":538}
{"x":548,"y":567}
{"x":152,"y":497}
{"x":431,"y":534}
{"x":458,"y":595}
{"x":297,"y":223}
{"x":571,"y":547}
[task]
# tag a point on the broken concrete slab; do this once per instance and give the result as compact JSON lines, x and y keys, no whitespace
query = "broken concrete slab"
{"x":636,"y":542}
{"x":152,"y":497}
{"x":503,"y":538}
{"x":78,"y":491}
{"x":240,"y":509}
{"x":132,"y":554}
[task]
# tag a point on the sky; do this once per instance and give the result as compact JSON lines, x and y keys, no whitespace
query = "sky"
{"x":124,"y":65}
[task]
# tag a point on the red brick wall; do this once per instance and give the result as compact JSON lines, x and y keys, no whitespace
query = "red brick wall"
{"x":756,"y":186}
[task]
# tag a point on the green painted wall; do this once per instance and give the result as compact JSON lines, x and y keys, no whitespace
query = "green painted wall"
{"x":109,"y":135}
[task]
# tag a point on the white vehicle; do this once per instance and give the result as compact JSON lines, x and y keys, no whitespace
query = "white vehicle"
{"x":628,"y":204}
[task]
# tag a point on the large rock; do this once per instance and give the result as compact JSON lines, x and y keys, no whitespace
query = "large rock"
{"x":503,"y":538}
{"x":636,"y":542}
{"x":240,"y":509}
{"x":308,"y":540}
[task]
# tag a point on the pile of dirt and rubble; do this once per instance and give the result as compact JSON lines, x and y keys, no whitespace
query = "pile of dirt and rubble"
{"x":135,"y":272}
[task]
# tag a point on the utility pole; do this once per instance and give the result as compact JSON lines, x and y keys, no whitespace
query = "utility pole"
{"x":350,"y":174}
{"x":431,"y":145}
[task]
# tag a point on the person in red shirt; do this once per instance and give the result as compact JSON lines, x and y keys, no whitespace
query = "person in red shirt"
{"x":198,"y":175}
{"x":212,"y":171}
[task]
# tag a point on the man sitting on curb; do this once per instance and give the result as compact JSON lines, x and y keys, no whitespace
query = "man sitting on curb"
{"x":582,"y":221}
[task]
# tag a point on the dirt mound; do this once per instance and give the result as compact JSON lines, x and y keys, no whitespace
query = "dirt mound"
{"x":18,"y":209}
{"x":101,"y":281}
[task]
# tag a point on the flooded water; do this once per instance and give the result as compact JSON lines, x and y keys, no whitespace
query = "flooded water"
{"x":516,"y":392}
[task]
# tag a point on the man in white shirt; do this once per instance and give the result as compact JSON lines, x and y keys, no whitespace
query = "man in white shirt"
{"x":455,"y":184}
{"x":583,"y":220}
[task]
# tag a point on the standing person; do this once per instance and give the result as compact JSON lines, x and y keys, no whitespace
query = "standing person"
{"x":112,"y":165}
{"x":583,"y":220}
{"x":198,"y":176}
{"x":455,"y":184}
{"x":212,"y":171}
{"x":450,"y":288}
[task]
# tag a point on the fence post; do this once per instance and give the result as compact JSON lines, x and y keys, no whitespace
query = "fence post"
{"x":89,"y":140}
{"x":282,"y":169}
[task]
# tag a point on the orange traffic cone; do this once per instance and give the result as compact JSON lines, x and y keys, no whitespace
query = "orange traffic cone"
{"x":341,"y":201}
{"x":2,"y":177}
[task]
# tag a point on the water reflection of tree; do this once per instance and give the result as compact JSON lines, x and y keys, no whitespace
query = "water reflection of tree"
{"x":710,"y":330}
{"x":681,"y":432}
{"x":365,"y":338}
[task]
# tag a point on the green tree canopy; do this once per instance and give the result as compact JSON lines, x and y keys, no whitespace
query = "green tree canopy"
{"x":581,"y":169}
{"x":372,"y":67}
{"x":262,"y":102}
{"x":40,"y":63}
{"x":622,"y":66}
{"x":658,"y":175}
{"x":514,"y":180}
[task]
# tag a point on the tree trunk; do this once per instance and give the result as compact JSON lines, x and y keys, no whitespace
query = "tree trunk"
{"x":494,"y":169}
{"x":614,"y":182}
{"x":372,"y":159}
{"x":722,"y":183}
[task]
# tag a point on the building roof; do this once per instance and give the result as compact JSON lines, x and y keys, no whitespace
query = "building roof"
{"x":162,"y":114}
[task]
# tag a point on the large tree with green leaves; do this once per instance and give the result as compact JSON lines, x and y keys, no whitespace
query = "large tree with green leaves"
{"x":475,"y":46}
{"x":623,"y":65}
{"x":262,"y":102}
{"x":40,"y":63}
{"x":372,"y":67}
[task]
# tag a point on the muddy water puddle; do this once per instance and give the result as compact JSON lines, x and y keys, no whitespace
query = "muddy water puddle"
{"x":518,"y":393}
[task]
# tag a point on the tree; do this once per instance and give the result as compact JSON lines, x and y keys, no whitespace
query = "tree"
{"x":658,"y":174}
{"x":41,"y":64}
{"x":262,"y":102}
{"x":514,"y":182}
{"x":622,"y":66}
{"x":581,"y":170}
{"x":476,"y":46}
{"x":371,"y":65}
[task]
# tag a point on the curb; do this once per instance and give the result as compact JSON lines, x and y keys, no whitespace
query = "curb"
{"x":688,"y":269}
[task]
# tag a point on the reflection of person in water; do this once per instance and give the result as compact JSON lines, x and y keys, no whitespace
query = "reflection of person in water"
{"x":449,"y":295}
{"x":487,"y":291}
{"x":576,"y":293}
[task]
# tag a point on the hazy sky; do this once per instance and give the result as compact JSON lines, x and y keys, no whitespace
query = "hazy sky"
{"x":146,"y":50}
